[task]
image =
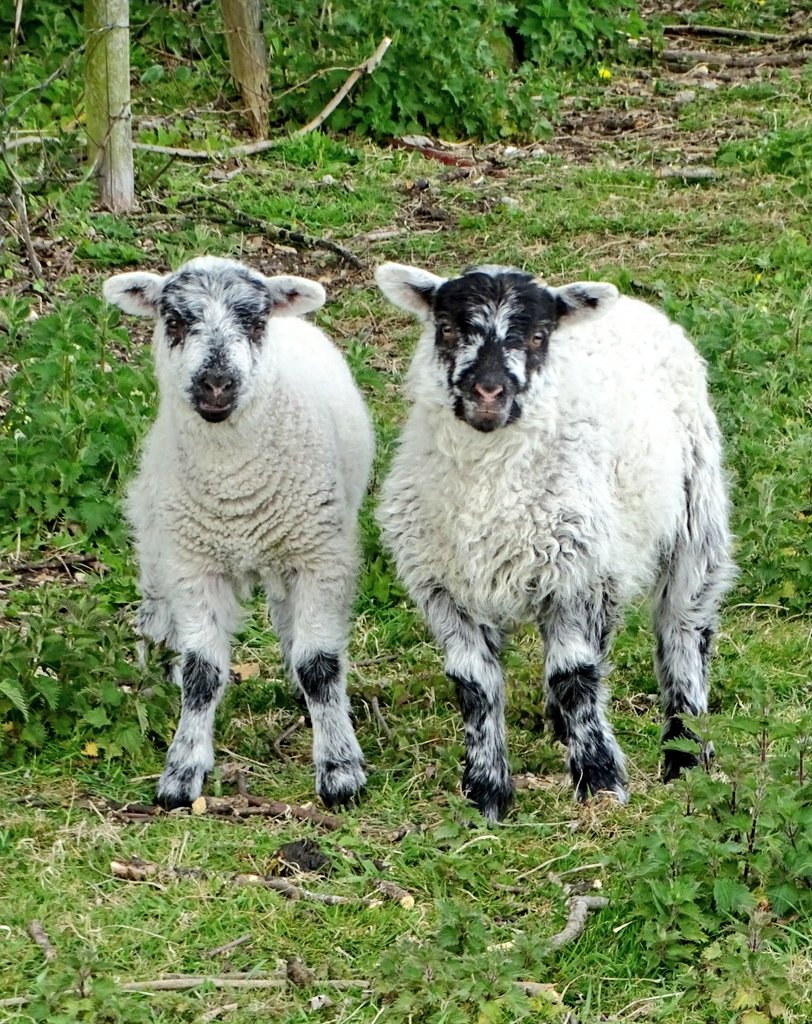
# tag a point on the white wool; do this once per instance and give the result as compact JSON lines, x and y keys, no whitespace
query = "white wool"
{"x":240,"y":496}
{"x":586,"y":486}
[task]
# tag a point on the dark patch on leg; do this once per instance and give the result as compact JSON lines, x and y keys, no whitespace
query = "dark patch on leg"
{"x":317,"y":675}
{"x":179,"y":792}
{"x":201,"y":681}
{"x":490,"y":790}
{"x":705,"y":641}
{"x":675,"y":762}
{"x":473,"y":702}
{"x":493,"y":640}
{"x":574,"y":687}
{"x":595,"y":770}
{"x":557,"y":722}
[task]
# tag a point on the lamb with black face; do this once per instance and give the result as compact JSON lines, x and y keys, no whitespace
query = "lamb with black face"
{"x":491,"y":333}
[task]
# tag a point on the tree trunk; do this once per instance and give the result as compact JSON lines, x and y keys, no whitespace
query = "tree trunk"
{"x":249,"y":59}
{"x":107,"y":101}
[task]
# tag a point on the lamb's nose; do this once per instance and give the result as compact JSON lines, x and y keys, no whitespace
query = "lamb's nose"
{"x":488,"y":393}
{"x":216,"y":382}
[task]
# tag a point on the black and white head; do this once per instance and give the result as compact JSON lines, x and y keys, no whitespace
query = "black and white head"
{"x":490,"y":331}
{"x":211,"y":323}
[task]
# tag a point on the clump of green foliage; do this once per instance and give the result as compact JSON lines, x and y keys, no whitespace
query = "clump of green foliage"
{"x":66,"y":674}
{"x":77,"y":407}
{"x":477,"y":69}
{"x":725,"y":864}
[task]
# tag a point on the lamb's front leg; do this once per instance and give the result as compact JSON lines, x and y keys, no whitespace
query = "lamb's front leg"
{"x":205,"y":612}
{"x":472,"y":663}
{"x":319,"y":608}
{"x":576,"y":637}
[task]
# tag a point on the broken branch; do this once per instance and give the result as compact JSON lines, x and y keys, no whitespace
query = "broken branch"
{"x":576,"y":922}
{"x":366,"y":68}
{"x":38,"y":934}
{"x":285,"y":735}
{"x":381,"y":721}
{"x":273,"y":230}
{"x":137,"y":870}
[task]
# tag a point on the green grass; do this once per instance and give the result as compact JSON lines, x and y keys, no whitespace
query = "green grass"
{"x":730,"y":259}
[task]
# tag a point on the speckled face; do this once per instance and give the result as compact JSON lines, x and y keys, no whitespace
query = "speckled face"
{"x":213,"y":325}
{"x":492,"y":333}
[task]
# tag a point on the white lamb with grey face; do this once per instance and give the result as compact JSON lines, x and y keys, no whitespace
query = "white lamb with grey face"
{"x":560,"y":458}
{"x":253,"y":471}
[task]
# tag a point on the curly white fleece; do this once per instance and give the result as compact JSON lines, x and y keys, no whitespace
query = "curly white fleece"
{"x":586,"y":486}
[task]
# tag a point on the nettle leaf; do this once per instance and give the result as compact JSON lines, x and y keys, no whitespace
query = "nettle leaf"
{"x":731,"y":896}
{"x":14,"y":694}
{"x":97,"y":717}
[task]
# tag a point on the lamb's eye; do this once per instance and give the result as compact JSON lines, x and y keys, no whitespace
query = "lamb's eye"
{"x":175,"y":329}
{"x":537,"y":339}
{"x":257,"y":328}
{"x":447,"y":333}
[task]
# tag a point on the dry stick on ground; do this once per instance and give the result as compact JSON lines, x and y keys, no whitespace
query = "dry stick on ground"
{"x":378,"y":716}
{"x":366,"y":68}
{"x":217,"y":1011}
{"x":137,"y":870}
{"x":228,"y":946}
{"x":576,"y":922}
{"x":788,"y":39}
{"x":282,"y":234}
{"x":253,"y":148}
{"x":17,"y":198}
{"x":235,"y":808}
{"x":178,"y":984}
{"x":37,"y":933}
{"x":55,"y":561}
{"x":774,"y":60}
{"x":285,"y":735}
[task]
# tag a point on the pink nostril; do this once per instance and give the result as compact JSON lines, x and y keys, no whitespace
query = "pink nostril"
{"x":488,"y":393}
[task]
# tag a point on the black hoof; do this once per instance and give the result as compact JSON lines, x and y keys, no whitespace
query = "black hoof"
{"x":492,"y":795}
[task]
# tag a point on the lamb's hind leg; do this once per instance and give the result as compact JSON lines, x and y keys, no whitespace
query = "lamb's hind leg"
{"x":576,"y":637}
{"x":205,"y":612}
{"x":694,"y":579}
{"x":472,"y":664}
{"x":319,"y":609}
{"x":685,"y":609}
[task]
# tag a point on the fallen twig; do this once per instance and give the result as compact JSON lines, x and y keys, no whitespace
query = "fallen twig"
{"x":788,"y":39}
{"x":38,"y":934}
{"x":775,"y":60}
{"x":17,"y":197}
{"x":366,"y":68}
{"x":137,"y":870}
{"x":274,"y":230}
{"x":375,"y":708}
{"x":285,"y":735}
{"x":688,"y":174}
{"x":235,"y":808}
{"x":228,"y":946}
{"x":217,"y":1011}
{"x":62,"y":560}
{"x":576,"y":922}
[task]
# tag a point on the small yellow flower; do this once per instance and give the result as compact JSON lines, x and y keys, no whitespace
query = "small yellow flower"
{"x":604,"y":74}
{"x":91,"y":749}
{"x":758,"y":278}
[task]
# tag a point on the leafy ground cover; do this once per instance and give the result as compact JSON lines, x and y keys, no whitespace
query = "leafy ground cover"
{"x":709,"y":916}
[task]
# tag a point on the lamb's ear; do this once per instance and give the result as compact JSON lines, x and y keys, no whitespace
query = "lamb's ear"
{"x":584,"y":300}
{"x":294,"y":296}
{"x":410,"y":288}
{"x":136,"y":293}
